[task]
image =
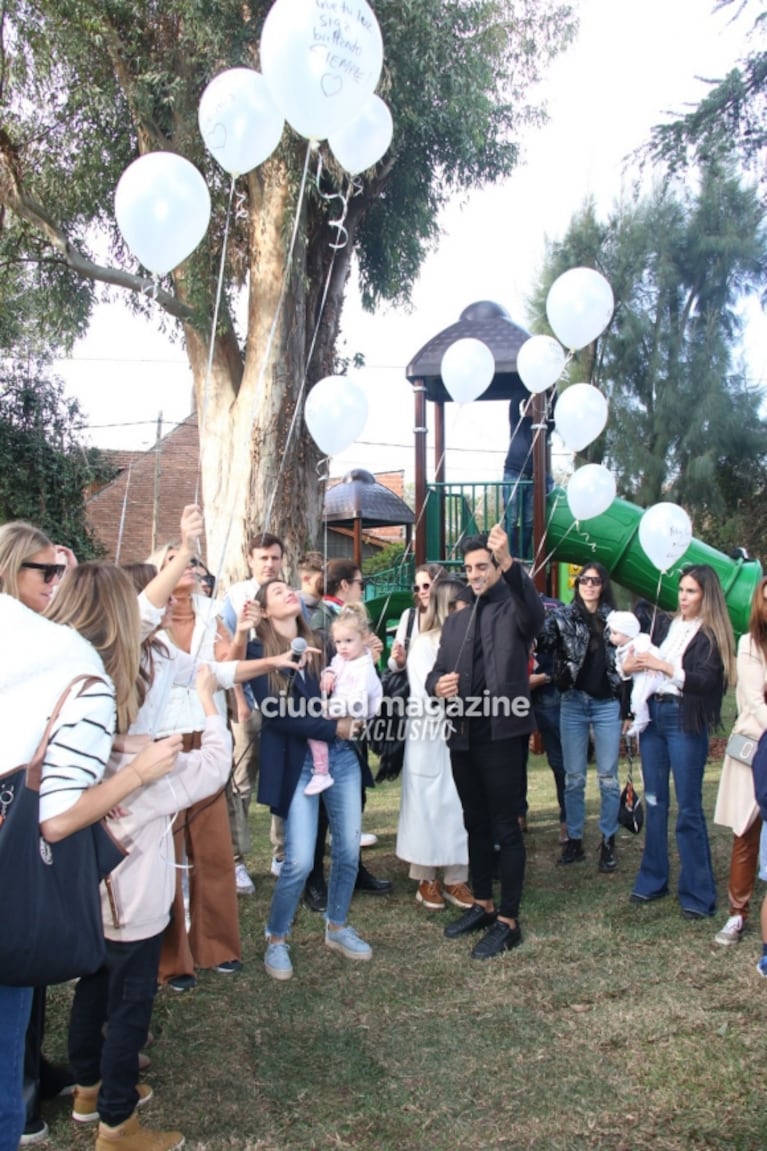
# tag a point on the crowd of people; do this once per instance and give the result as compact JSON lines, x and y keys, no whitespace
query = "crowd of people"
{"x":191,"y":704}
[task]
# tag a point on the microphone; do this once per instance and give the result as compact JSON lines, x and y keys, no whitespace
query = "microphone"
{"x":297,"y":648}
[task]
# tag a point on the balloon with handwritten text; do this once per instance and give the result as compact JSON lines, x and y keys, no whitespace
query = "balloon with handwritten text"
{"x":322,"y":60}
{"x":239,"y":121}
{"x":665,"y":533}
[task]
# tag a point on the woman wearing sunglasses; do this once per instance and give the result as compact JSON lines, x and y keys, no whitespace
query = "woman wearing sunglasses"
{"x":697,"y":658}
{"x":586,"y":674}
{"x":411,"y":620}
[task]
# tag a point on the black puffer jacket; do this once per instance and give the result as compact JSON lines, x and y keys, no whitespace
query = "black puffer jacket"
{"x":566,"y":634}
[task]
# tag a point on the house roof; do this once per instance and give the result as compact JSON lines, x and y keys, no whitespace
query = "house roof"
{"x":123,"y":510}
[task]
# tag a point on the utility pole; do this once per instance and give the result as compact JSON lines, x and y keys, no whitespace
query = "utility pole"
{"x":156,"y":493}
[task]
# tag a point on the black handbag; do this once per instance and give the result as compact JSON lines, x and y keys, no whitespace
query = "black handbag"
{"x":387,"y":731}
{"x":51,"y":919}
{"x":630,"y":811}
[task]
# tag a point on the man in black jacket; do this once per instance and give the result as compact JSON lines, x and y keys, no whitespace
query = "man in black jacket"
{"x":482,"y":671}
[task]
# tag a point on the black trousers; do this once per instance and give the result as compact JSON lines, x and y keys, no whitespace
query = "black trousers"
{"x":121,"y":994}
{"x":489,"y":778}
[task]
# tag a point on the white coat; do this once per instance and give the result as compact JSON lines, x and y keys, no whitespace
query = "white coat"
{"x":736,"y":806}
{"x":430,"y":831}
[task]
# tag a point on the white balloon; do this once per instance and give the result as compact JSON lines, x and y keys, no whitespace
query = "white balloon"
{"x":590,"y":491}
{"x":239,"y":121}
{"x":579,"y":306}
{"x":467,"y":369}
{"x":361,"y":143}
{"x":665,"y":533}
{"x":322,"y":60}
{"x":162,"y":206}
{"x":580,"y":415}
{"x":336,"y":411}
{"x":540,"y":361}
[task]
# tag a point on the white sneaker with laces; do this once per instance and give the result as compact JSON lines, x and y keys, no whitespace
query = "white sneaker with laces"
{"x":242,"y":880}
{"x":731,"y":932}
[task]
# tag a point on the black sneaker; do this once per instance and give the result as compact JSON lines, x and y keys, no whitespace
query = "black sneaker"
{"x":572,"y":852}
{"x":36,"y":1131}
{"x":316,"y":893}
{"x":498,"y":939}
{"x":607,"y":858}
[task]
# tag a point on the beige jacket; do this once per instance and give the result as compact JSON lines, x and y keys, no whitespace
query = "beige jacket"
{"x":136,"y":897}
{"x":735,"y":804}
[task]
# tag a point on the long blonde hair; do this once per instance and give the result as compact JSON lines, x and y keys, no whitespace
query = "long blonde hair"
{"x":99,"y":601}
{"x":714,"y":617}
{"x":441,"y":602}
{"x":18,"y":541}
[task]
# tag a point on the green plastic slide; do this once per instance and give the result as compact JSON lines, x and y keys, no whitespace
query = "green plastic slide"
{"x":612,"y":539}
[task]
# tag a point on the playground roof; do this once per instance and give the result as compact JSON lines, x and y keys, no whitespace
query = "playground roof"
{"x":484,"y":321}
{"x":360,"y":497}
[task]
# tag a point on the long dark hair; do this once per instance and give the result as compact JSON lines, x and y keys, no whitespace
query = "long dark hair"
{"x":594,"y":619}
{"x":274,"y":644}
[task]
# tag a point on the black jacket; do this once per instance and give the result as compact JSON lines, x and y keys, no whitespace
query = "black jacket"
{"x":511,"y":616}
{"x":566,"y":634}
{"x":703,"y":679}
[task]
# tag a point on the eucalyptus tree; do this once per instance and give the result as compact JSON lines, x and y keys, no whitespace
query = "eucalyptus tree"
{"x":88,"y":85}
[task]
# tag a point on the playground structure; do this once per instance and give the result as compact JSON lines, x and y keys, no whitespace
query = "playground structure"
{"x":446,"y":513}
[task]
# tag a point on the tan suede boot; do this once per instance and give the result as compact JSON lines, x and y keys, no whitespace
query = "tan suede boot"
{"x":131,"y":1136}
{"x":85,"y":1101}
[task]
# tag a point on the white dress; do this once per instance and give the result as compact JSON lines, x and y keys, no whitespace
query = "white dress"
{"x":430,"y":831}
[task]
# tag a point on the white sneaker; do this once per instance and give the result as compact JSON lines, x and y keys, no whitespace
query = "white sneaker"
{"x":731,"y":932}
{"x":242,"y":880}
{"x":367,"y":839}
{"x":276,"y":867}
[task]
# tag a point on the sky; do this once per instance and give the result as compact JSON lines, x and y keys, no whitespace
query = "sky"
{"x":635,"y":62}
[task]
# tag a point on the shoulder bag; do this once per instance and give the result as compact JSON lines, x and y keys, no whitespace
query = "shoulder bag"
{"x":52,"y":929}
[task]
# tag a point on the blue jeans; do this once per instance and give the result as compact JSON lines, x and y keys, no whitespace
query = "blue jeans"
{"x":580,"y":712}
{"x":121,"y":993}
{"x":668,"y":750}
{"x":546,"y":708}
{"x":15,"y":1005}
{"x":343,"y":802}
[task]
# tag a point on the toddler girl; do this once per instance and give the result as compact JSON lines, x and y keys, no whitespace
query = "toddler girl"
{"x":351,"y":681}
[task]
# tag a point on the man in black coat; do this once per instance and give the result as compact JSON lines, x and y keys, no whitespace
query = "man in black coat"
{"x":481,"y":671}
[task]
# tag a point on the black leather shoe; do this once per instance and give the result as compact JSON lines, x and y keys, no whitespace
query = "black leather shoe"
{"x":472,"y":920}
{"x":370,"y":885}
{"x":316,"y":893}
{"x":607,"y":858}
{"x":498,"y":939}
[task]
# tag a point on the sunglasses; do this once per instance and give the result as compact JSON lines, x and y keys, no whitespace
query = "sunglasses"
{"x":594,"y":581}
{"x":50,"y":571}
{"x":421,"y":586}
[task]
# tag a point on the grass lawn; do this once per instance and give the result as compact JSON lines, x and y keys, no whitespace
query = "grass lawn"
{"x":615,"y":1027}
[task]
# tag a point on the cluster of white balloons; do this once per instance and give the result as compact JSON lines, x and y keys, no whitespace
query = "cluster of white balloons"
{"x":321,"y":62}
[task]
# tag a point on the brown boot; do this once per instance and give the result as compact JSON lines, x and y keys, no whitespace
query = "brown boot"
{"x":131,"y":1136}
{"x":85,"y":1101}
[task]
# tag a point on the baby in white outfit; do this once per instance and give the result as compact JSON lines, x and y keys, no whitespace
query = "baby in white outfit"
{"x":628,"y":639}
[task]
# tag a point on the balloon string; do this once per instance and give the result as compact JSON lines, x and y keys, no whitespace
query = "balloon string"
{"x":267,"y":352}
{"x":298,"y":407}
{"x":212,"y":341}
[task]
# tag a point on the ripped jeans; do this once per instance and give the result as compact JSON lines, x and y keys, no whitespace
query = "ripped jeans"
{"x":578,"y":712}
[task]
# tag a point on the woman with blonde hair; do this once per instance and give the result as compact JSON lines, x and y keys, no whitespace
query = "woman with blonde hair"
{"x":736,"y":806}
{"x":430,"y":831}
{"x":98,"y":648}
{"x":697,"y":658}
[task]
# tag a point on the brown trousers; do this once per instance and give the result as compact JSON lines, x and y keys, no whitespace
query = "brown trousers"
{"x":743,"y":865}
{"x":214,"y":931}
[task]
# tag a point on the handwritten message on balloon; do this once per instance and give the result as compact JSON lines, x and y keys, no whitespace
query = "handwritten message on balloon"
{"x":322,"y":60}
